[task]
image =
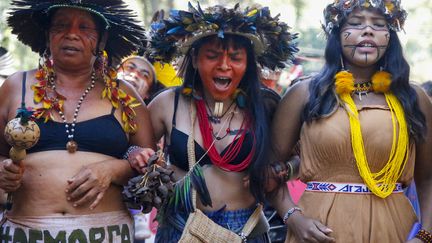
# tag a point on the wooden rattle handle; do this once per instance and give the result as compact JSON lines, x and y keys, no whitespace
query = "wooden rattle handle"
{"x":17,"y":154}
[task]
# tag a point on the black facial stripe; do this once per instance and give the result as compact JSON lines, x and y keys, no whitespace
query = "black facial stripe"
{"x":354,"y":49}
{"x":346,"y":34}
{"x":364,"y":27}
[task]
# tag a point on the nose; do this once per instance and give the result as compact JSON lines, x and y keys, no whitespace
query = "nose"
{"x":368,"y":31}
{"x":72,"y":31}
{"x":224,"y":63}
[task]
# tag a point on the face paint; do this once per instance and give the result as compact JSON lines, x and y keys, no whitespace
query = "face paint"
{"x":221,"y":69}
{"x":73,"y":37}
{"x":364,"y":37}
{"x":138,"y":73}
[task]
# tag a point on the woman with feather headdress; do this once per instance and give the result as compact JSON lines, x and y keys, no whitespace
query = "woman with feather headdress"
{"x":216,"y":124}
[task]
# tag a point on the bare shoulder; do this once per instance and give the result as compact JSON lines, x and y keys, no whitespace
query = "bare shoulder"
{"x":163,"y":103}
{"x":298,"y":93}
{"x":11,"y":89}
{"x":424,"y":100}
{"x":163,"y":98}
{"x":15,"y":81}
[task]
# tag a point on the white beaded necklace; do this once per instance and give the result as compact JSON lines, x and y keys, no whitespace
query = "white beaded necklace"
{"x":72,"y":145}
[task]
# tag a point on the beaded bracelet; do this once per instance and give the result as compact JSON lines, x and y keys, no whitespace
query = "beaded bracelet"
{"x":290,"y":212}
{"x":130,"y":150}
{"x":424,"y":236}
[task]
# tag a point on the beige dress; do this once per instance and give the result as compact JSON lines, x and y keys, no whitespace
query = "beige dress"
{"x":327,"y":156}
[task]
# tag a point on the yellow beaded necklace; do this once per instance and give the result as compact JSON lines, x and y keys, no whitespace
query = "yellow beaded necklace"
{"x":381,"y":183}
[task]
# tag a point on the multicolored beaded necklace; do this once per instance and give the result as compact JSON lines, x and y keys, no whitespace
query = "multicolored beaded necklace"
{"x":361,"y":89}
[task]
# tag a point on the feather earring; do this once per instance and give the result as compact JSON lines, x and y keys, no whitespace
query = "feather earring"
{"x":240,"y":97}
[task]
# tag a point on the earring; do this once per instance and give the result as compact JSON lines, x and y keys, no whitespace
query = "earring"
{"x":43,"y":59}
{"x":240,"y":97}
{"x":189,"y":89}
{"x":342,"y":62}
{"x":100,"y":64}
{"x":45,"y":68}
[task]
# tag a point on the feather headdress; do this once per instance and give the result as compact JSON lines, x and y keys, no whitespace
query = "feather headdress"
{"x":339,"y":10}
{"x":29,"y":20}
{"x":272,"y":42}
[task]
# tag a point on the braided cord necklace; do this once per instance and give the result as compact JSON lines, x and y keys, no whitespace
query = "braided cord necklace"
{"x":383,"y":182}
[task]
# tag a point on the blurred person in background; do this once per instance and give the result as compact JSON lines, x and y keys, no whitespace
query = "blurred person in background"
{"x":138,"y":71}
{"x":270,"y":79}
{"x":427,"y":86}
{"x":6,"y":64}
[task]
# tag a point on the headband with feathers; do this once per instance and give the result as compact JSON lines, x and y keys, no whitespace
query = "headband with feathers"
{"x":172,"y":37}
{"x":29,"y":20}
{"x":339,"y":10}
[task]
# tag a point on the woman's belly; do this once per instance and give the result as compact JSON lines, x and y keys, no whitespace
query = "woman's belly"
{"x":43,"y":189}
{"x":227,"y":189}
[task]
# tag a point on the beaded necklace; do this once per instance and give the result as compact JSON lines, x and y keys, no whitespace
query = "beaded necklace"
{"x":233,"y":149}
{"x":383,"y":182}
{"x":72,"y":145}
{"x":217,"y":114}
{"x":45,"y":93}
{"x":361,"y":89}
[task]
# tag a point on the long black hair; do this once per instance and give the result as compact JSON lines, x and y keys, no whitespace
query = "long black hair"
{"x":323,"y":101}
{"x":254,"y":108}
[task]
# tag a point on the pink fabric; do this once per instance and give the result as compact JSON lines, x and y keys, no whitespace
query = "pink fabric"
{"x":296,"y":189}
{"x":153,"y":224}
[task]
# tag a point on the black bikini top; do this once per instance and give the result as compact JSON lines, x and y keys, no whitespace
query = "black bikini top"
{"x":102,"y":134}
{"x":177,"y":148}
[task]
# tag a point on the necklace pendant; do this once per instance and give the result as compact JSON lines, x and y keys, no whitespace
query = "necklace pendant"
{"x":361,"y":93}
{"x":218,"y":109}
{"x":71,"y":146}
{"x":214,"y":120}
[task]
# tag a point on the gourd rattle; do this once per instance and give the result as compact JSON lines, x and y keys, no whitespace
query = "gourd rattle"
{"x":21,"y":133}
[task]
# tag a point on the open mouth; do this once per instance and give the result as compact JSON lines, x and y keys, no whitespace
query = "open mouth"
{"x":128,"y":77}
{"x":369,"y":44}
{"x":222,"y":82}
{"x":70,"y":49}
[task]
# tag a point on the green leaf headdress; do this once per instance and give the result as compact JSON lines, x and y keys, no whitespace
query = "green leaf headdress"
{"x":272,"y":42}
{"x":339,"y":10}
